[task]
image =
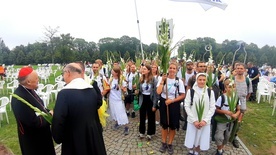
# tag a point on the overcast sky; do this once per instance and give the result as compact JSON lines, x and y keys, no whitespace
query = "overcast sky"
{"x":23,"y":21}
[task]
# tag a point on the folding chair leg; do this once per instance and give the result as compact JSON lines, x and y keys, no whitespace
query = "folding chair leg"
{"x":274,"y":107}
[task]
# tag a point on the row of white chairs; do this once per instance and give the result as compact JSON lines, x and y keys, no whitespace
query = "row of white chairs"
{"x":46,"y":91}
{"x":267,"y":91}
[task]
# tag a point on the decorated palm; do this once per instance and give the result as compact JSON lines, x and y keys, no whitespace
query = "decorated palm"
{"x":95,"y":77}
{"x":47,"y":116}
{"x":200,"y":111}
{"x":109,"y":62}
{"x":183,"y":67}
{"x":232,"y":98}
{"x":164,"y":45}
{"x":210,"y":79}
{"x":200,"y":106}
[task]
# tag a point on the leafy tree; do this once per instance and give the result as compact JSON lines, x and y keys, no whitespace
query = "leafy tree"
{"x":50,"y":34}
{"x":241,"y":58}
{"x":3,"y":49}
{"x":263,"y":59}
{"x":126,"y":56}
{"x":20,"y":59}
{"x":228,"y":58}
{"x":218,"y":58}
{"x":64,"y":48}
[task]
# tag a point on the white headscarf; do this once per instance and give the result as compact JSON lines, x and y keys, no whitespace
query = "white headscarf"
{"x":197,"y":75}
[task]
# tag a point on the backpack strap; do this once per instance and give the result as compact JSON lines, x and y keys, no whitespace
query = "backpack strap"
{"x":222,"y":100}
{"x":104,"y":70}
{"x":177,"y":86}
{"x":209,"y":92}
{"x":192,"y":92}
{"x":246,"y":80}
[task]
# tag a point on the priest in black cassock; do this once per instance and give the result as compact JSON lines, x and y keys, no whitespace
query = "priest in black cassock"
{"x":76,"y":121}
{"x":34,"y":132}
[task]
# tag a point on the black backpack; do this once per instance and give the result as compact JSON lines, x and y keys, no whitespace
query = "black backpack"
{"x":223,"y":101}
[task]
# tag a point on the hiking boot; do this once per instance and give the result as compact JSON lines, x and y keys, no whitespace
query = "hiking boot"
{"x":236,"y":143}
{"x":149,"y":137}
{"x":163,"y":147}
{"x":170,"y":149}
{"x":141,"y":136}
{"x":133,"y":114}
{"x":220,"y":153}
{"x":126,"y":131}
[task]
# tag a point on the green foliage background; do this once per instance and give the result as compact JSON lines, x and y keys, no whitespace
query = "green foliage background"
{"x":65,"y":48}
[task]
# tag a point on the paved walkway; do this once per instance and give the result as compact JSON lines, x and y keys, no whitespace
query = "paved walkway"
{"x":118,"y":144}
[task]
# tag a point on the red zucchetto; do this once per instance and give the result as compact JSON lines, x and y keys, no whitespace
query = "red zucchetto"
{"x":24,"y":71}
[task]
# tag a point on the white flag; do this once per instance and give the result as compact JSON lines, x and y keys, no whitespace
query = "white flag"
{"x":207,"y":4}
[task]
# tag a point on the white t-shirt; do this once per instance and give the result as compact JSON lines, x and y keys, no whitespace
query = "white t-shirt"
{"x":172,"y":88}
{"x":100,"y":79}
{"x":116,"y":93}
{"x":129,"y":78}
{"x":187,"y":77}
{"x":146,"y":88}
{"x":225,"y":104}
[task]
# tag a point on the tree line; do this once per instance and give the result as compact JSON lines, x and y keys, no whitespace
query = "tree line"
{"x":65,"y":48}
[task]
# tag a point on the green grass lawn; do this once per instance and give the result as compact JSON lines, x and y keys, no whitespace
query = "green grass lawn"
{"x":257,"y":131}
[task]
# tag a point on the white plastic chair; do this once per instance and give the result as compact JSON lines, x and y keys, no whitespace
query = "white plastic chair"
{"x":39,"y":88}
{"x":263,"y":90}
{"x":58,"y":78}
{"x":272,"y":87}
{"x":274,"y":106}
{"x":45,"y":77}
{"x":12,"y":85}
{"x":57,"y":87}
{"x":45,"y":94}
{"x":3,"y":108}
{"x":2,"y":86}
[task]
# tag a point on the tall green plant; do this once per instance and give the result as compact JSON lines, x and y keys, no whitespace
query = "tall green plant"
{"x":48,"y":117}
{"x":164,"y":45}
{"x":200,"y":106}
{"x":183,"y":67}
{"x":210,"y":79}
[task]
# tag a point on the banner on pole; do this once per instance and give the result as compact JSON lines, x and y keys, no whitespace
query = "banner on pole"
{"x":207,"y":4}
{"x":170,"y":31}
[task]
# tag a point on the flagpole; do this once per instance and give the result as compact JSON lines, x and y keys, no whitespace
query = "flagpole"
{"x":139,"y":30}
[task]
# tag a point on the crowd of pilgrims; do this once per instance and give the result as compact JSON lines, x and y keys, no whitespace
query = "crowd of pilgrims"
{"x":159,"y":98}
